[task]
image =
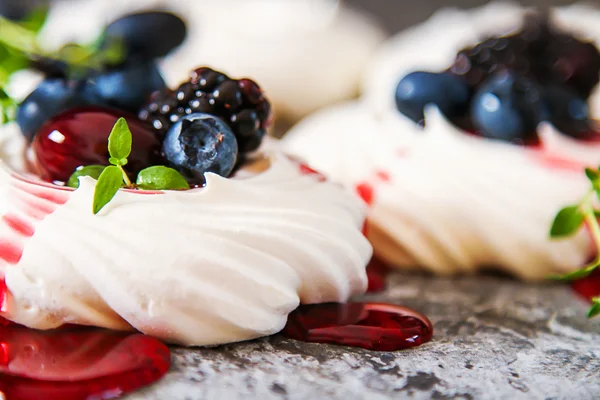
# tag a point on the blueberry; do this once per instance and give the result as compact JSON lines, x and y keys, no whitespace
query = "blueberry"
{"x":19,"y":9}
{"x":126,"y":88}
{"x":146,"y":35}
{"x":418,"y":89}
{"x":507,"y":107}
{"x":200,"y":143}
{"x":567,"y":111}
{"x":51,"y":97}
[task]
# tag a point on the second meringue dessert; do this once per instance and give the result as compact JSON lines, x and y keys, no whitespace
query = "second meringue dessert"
{"x":305,"y":53}
{"x":474,"y":129}
{"x":173,"y":223}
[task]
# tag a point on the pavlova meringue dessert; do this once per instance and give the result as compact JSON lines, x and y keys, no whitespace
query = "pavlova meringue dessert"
{"x":305,"y":53}
{"x":473,"y":131}
{"x":172,"y":221}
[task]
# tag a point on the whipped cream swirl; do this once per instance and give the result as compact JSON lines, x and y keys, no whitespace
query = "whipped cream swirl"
{"x":446,"y":201}
{"x":218,"y":264}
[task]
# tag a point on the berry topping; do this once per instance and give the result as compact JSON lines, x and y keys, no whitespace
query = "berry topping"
{"x":146,"y":35}
{"x":504,"y":77}
{"x":418,"y":89}
{"x":568,"y":111}
{"x":240,"y":103}
{"x":52,"y":96}
{"x":507,"y":107}
{"x":126,"y":88}
{"x":200,"y":143}
{"x":79,"y":137}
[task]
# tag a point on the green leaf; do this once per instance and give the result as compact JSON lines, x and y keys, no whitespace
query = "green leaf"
{"x":119,"y":141}
{"x":567,"y":222}
{"x":592,"y":174}
{"x":595,"y":309}
{"x":36,"y":19}
{"x":573,"y":276}
{"x":91,"y":170}
{"x":109,"y":182}
{"x":161,"y":178}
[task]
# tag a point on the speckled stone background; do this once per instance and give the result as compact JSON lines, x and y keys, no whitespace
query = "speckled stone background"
{"x":495,"y":338}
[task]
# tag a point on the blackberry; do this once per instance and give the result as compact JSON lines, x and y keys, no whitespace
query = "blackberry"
{"x":238,"y":102}
{"x":539,"y":52}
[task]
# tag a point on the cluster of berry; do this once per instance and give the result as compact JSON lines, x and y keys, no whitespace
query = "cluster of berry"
{"x":503,"y":87}
{"x":206,"y":125}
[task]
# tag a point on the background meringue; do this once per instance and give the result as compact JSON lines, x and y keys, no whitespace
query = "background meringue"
{"x":305,"y":53}
{"x":441,"y":199}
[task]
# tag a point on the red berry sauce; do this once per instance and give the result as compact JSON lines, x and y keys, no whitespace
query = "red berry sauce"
{"x":377,"y":272}
{"x":79,"y":137}
{"x":589,"y":286}
{"x":76,"y":363}
{"x":372,"y":326}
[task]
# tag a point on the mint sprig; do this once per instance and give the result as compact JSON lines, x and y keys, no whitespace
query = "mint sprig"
{"x":109,"y":183}
{"x":595,"y":309}
{"x":570,"y":220}
{"x":159,"y":177}
{"x":114,"y":177}
{"x":20,"y":49}
{"x":93,"y":171}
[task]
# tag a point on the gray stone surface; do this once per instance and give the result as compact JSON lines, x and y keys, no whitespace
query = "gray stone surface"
{"x":494,"y":338}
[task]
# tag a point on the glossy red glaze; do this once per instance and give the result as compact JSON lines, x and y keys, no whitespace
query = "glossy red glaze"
{"x":366,"y":192}
{"x":3,"y":295}
{"x":372,"y":326}
{"x":589,"y":286}
{"x":377,"y":272}
{"x":80,"y":137}
{"x":77,"y":363}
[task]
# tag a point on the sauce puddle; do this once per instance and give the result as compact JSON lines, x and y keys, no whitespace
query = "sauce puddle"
{"x":77,"y":363}
{"x":371,"y":326}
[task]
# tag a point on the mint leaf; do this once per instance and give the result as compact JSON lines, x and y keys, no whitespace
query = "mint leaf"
{"x":573,"y":276}
{"x":592,"y":174}
{"x":91,"y":170}
{"x":119,"y":142}
{"x":161,"y":178}
{"x":567,"y":221}
{"x":595,"y":309}
{"x":594,"y":177}
{"x":36,"y":19}
{"x":109,"y":182}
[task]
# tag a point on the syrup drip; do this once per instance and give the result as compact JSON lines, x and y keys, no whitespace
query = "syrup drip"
{"x":372,"y":326}
{"x":377,"y":272}
{"x":76,"y":363}
{"x":589,"y":286}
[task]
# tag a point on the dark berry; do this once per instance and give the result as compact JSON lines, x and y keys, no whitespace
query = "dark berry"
{"x":240,"y":103}
{"x":245,"y":123}
{"x":227,"y":96}
{"x":418,"y":89}
{"x":567,"y":111}
{"x":79,"y":137}
{"x":17,"y":10}
{"x":207,"y":79}
{"x":201,"y":143}
{"x":146,"y":35}
{"x":507,"y":107}
{"x":200,"y":104}
{"x":251,"y":91}
{"x":252,"y":142}
{"x":51,"y":97}
{"x":126,"y":88}
{"x":184,"y":92}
